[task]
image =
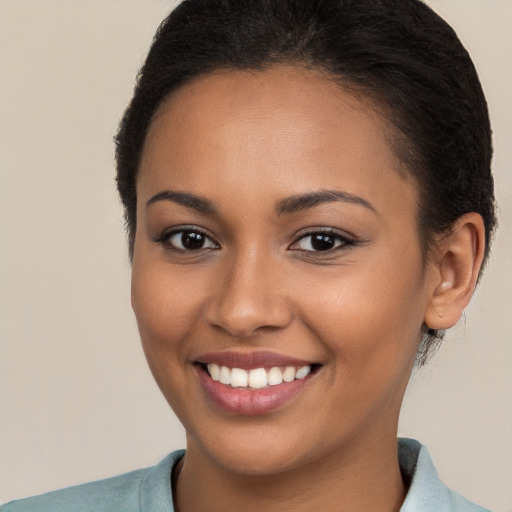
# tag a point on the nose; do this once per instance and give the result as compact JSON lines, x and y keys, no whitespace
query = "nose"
{"x":250,"y":297}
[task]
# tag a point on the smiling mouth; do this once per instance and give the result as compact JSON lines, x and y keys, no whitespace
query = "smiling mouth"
{"x":257,"y":378}
{"x":253,"y":383}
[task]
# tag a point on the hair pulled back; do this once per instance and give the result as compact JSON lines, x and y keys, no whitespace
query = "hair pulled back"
{"x":399,"y":53}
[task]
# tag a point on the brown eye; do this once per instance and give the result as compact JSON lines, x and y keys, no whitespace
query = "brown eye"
{"x":321,"y":242}
{"x":192,"y":240}
{"x":189,"y":240}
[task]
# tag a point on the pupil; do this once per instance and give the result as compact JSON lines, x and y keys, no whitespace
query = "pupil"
{"x":191,"y":240}
{"x":322,"y":242}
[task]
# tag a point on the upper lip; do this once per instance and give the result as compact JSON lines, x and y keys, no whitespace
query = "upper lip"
{"x":250,"y":360}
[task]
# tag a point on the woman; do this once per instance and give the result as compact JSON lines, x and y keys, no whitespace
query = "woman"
{"x":309,"y":204}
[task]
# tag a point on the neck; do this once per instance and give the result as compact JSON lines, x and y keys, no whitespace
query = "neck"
{"x":360,"y":479}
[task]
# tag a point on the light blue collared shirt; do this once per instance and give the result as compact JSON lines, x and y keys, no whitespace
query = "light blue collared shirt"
{"x":149,"y":490}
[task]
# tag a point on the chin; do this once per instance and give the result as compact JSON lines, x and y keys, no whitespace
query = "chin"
{"x":256,"y":450}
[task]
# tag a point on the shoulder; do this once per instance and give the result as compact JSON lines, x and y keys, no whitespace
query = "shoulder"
{"x":426,"y":491}
{"x":120,"y":492}
{"x":129,"y":492}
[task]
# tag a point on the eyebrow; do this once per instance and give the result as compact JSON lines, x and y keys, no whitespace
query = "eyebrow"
{"x":287,"y":205}
{"x":305,"y":201}
{"x":200,"y":204}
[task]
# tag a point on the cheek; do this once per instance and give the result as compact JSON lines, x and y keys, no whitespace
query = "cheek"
{"x":166,"y":304}
{"x":372,"y":335}
{"x":166,"y":307}
{"x":369,"y":318}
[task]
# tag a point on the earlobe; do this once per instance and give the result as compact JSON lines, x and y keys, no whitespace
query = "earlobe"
{"x":457,"y":266}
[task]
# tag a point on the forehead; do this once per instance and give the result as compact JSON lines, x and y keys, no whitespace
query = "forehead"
{"x":286,"y":97}
{"x":286,"y":126}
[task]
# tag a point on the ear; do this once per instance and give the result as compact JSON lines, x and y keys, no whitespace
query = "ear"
{"x":455,"y":269}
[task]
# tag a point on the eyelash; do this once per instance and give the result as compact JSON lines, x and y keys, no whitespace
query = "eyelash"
{"x":165,"y":237}
{"x":343,"y":242}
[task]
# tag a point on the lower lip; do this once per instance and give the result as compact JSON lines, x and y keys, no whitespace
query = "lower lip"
{"x":251,"y":402}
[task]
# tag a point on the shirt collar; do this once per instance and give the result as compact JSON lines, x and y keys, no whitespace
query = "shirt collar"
{"x":426,"y":491}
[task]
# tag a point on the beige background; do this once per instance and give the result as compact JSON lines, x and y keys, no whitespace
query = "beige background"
{"x":77,"y":401}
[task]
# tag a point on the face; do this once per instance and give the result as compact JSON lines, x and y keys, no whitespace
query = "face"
{"x":277,"y":249}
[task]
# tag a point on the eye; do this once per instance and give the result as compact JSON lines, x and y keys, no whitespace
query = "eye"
{"x":186,"y":240}
{"x":321,"y":241}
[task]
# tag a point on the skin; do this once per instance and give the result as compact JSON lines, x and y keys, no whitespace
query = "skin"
{"x":245,"y":142}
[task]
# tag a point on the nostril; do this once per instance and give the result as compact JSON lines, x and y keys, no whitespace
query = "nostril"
{"x":248,"y":297}
{"x":242,"y":321}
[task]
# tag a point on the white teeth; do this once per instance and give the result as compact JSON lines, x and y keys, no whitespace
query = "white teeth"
{"x":214,"y":371}
{"x":257,"y":378}
{"x":239,"y":378}
{"x":302,"y":372}
{"x":225,"y":375}
{"x":274,"y":376}
{"x":289,"y":374}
